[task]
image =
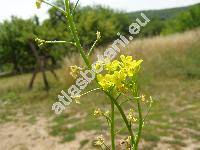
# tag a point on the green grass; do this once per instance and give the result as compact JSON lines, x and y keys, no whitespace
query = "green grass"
{"x":170,"y":73}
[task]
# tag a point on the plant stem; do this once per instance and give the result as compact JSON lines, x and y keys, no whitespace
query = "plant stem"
{"x":140,"y":123}
{"x":112,"y":127}
{"x":113,"y":100}
{"x":124,"y":118}
{"x":75,"y":33}
{"x":58,"y":42}
{"x":74,"y":9}
{"x":92,"y":48}
{"x":54,"y":6}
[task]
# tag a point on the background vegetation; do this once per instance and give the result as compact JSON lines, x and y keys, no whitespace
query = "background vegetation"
{"x":16,"y":56}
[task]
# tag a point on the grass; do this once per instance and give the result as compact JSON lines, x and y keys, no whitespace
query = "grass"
{"x":170,"y":73}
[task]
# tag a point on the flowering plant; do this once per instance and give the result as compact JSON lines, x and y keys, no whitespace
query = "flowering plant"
{"x":119,"y":79}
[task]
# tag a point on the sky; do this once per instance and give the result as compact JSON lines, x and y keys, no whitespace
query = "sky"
{"x":26,"y":8}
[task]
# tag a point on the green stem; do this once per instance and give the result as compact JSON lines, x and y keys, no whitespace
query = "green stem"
{"x":124,"y":118}
{"x":107,"y":148}
{"x":92,"y":48}
{"x":58,"y":42}
{"x":112,"y":127}
{"x":75,"y":33}
{"x":54,"y":6}
{"x":150,"y":106}
{"x":74,"y":9}
{"x":140,"y":123}
{"x":113,"y":100}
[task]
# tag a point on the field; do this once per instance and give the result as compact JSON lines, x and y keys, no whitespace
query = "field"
{"x":170,"y":74}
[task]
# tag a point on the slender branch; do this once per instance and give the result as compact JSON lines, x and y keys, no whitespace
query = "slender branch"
{"x":150,"y":106}
{"x":74,"y":9}
{"x":140,"y":123}
{"x":120,"y":130}
{"x":118,"y":96}
{"x":42,"y":42}
{"x":75,"y":33}
{"x":107,"y":148}
{"x":92,"y":48}
{"x":101,"y":148}
{"x":125,"y":102}
{"x":58,"y":42}
{"x":128,"y":99}
{"x":123,"y":116}
{"x":107,"y":118}
{"x":112,"y":127}
{"x":54,"y":6}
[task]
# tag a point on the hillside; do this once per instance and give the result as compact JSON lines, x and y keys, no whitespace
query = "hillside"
{"x":163,"y":14}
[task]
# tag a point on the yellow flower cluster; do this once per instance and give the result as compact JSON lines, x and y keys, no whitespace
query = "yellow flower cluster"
{"x":75,"y":71}
{"x":99,"y":141}
{"x":118,"y":72}
{"x":98,"y":112}
{"x":131,"y":117}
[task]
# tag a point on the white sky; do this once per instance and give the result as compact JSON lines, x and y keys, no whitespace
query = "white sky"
{"x":26,"y":8}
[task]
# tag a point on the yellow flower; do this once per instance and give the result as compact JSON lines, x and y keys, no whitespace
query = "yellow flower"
{"x":112,"y":66}
{"x":118,"y":71}
{"x":122,"y":88}
{"x":100,"y":140}
{"x":137,"y":64}
{"x":125,"y":143}
{"x":105,"y":81}
{"x":38,"y":3}
{"x":98,"y":112}
{"x":77,"y":99}
{"x":98,"y":35}
{"x":118,"y":77}
{"x":143,"y":98}
{"x":131,"y":117}
{"x":130,"y":66}
{"x":107,"y":113}
{"x":74,"y":71}
{"x":126,"y":60}
{"x":98,"y":65}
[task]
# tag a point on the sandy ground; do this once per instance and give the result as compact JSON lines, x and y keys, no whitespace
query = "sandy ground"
{"x":24,"y":136}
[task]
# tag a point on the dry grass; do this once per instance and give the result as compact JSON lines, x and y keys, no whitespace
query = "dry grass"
{"x":149,"y":47}
{"x":160,"y":44}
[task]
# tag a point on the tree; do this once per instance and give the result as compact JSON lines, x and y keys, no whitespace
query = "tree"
{"x":13,"y":44}
{"x":185,"y":21}
{"x":15,"y":48}
{"x":89,"y":19}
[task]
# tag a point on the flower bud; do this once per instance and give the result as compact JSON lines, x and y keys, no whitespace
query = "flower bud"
{"x":74,"y":71}
{"x":98,"y":35}
{"x":38,"y":3}
{"x":98,"y":112}
{"x":131,"y":117}
{"x":100,"y":140}
{"x":77,"y":99}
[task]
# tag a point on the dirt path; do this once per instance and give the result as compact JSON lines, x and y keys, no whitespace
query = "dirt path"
{"x":22,"y":135}
{"x":25,"y":136}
